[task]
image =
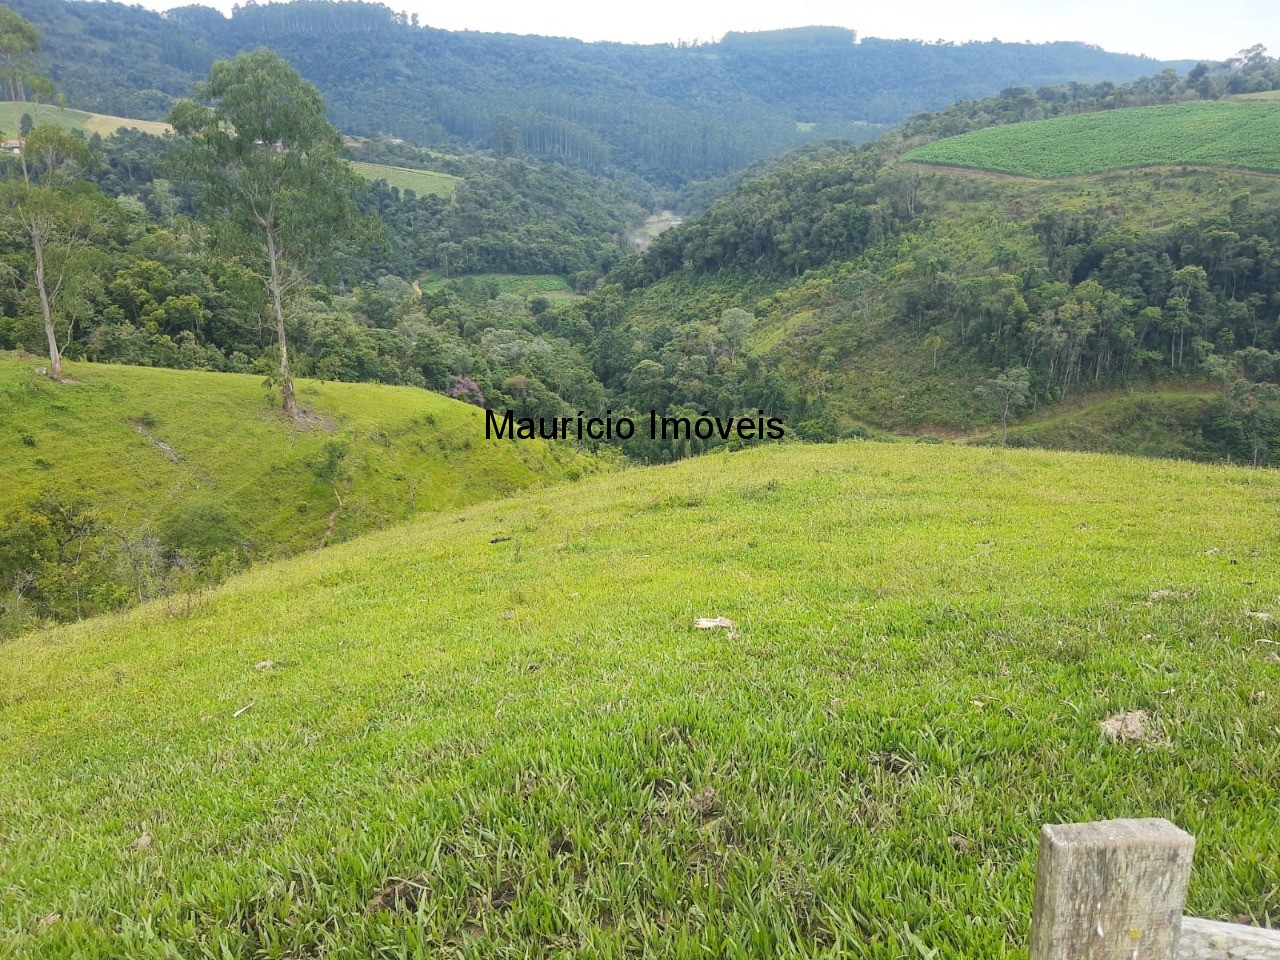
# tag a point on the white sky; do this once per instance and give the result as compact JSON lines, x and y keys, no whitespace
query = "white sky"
{"x":1169,"y":29}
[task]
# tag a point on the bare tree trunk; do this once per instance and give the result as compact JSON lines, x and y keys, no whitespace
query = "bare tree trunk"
{"x":287,"y":396}
{"x":46,"y":308}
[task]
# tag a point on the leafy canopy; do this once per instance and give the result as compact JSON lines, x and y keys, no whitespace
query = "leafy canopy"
{"x":259,"y":144}
{"x":53,"y":157}
{"x":19,"y":44}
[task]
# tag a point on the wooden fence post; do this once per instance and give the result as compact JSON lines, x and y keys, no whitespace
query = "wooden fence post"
{"x":1112,"y":890}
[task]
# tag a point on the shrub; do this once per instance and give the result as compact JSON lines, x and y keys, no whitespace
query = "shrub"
{"x":199,"y":530}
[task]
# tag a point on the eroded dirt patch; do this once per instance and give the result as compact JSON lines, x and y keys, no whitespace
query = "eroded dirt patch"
{"x":170,"y":454}
{"x":399,"y":895}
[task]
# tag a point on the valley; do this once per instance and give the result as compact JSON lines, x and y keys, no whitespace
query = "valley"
{"x":468,"y":495}
{"x":642,"y":236}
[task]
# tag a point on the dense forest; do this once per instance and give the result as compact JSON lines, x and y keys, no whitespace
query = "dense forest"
{"x":515,"y":215}
{"x":670,"y":114}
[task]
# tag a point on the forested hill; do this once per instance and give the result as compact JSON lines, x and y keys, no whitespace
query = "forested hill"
{"x":671,"y":114}
{"x":851,"y":289}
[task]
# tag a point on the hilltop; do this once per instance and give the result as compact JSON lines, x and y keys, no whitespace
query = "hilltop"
{"x":496,"y":731}
{"x":199,"y":470}
{"x":668,"y":114}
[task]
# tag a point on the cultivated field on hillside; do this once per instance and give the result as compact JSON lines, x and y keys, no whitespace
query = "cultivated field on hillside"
{"x":1262,"y":95}
{"x":11,"y":118}
{"x":498,"y":733}
{"x":1213,"y":133}
{"x":422,"y":182}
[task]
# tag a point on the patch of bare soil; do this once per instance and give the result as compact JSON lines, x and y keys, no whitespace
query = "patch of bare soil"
{"x":307,"y":419}
{"x":560,"y":846}
{"x":1133,"y":726}
{"x":705,"y":804}
{"x":893,"y":763}
{"x":170,"y":454}
{"x":503,"y":896}
{"x":311,"y":420}
{"x":329,"y":522}
{"x":399,"y":894}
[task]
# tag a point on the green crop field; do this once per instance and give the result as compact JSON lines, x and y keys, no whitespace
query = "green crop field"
{"x":11,"y":117}
{"x":420,"y":181}
{"x":143,"y":442}
{"x":1262,"y":95}
{"x":1213,"y":133}
{"x":496,"y":732}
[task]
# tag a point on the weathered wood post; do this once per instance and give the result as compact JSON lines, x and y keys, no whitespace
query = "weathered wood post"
{"x":1115,"y":891}
{"x":1112,"y":890}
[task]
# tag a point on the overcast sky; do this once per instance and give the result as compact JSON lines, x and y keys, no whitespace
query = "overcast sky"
{"x":1169,"y":30}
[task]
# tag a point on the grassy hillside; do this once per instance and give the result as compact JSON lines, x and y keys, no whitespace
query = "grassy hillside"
{"x":496,"y":732}
{"x":421,"y":182}
{"x":142,"y":444}
{"x":11,"y":117}
{"x":1218,"y":133}
{"x":1149,"y":423}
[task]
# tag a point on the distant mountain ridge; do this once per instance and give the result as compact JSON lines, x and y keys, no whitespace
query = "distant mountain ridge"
{"x":670,"y":114}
